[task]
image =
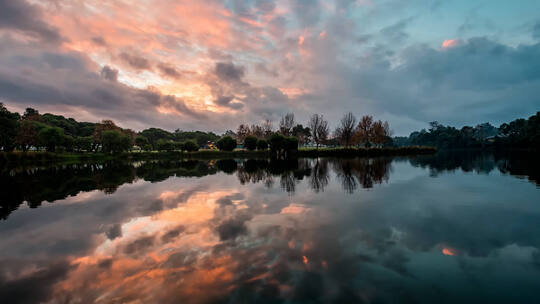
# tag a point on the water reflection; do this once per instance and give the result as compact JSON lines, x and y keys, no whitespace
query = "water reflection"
{"x":257,"y":231}
{"x":36,"y":185}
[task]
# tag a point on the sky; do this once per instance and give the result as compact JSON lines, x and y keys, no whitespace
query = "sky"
{"x":213,"y":64}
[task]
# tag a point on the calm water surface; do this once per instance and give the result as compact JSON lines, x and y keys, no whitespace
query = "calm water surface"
{"x":449,"y":228}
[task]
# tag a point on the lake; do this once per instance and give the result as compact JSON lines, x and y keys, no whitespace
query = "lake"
{"x":444,"y":228}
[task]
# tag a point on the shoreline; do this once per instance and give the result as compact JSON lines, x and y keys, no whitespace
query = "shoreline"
{"x":39,"y":157}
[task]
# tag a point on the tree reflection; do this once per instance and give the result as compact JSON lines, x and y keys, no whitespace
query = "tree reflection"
{"x":362,"y":171}
{"x":35,"y":185}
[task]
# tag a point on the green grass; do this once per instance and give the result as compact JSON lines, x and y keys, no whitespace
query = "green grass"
{"x":27,"y":158}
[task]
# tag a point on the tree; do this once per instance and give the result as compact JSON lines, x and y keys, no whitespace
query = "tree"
{"x":165,"y":145}
{"x":9,"y":125}
{"x":364,"y":130}
{"x":257,"y":131}
{"x":318,"y":128}
{"x":380,"y":132}
{"x":250,"y":143}
{"x":262,"y":144}
{"x":83,"y":143}
{"x":28,"y":134}
{"x":268,"y":129}
{"x":190,"y":146}
{"x":242,"y":132}
{"x":155,"y":134}
{"x":142,"y":142}
{"x":51,"y":137}
{"x":302,"y":134}
{"x":114,"y":141}
{"x":31,"y":114}
{"x":226,"y":143}
{"x":345,"y":132}
{"x":282,"y":146}
{"x":286,"y":124}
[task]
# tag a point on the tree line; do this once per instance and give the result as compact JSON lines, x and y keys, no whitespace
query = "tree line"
{"x":49,"y":132}
{"x":520,"y":133}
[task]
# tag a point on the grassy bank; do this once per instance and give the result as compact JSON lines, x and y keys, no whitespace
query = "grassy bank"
{"x":46,"y":157}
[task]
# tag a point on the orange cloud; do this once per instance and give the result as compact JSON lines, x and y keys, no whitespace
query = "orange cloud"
{"x":450,"y":43}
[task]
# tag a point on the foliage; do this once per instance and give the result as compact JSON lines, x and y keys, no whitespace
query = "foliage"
{"x":83,"y":143}
{"x":190,"y":146}
{"x":262,"y":144}
{"x":226,"y":143}
{"x":114,"y":141}
{"x":9,"y":125}
{"x":165,"y":145}
{"x":153,"y":135}
{"x":282,"y":146}
{"x":51,"y":137}
{"x":250,"y":143}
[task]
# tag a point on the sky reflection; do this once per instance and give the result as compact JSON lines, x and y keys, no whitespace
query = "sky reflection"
{"x":234,"y":237}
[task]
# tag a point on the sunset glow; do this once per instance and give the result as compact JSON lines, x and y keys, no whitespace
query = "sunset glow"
{"x":175,"y":64}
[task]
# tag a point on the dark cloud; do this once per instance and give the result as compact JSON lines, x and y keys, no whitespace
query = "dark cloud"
{"x":135,"y":61}
{"x":139,"y":244}
{"x":99,"y":41}
{"x":173,"y":233}
{"x":114,"y":231}
{"x":228,"y":72}
{"x":226,"y":101}
{"x":19,"y":15}
{"x":34,"y":287}
{"x":231,"y":229}
{"x":168,"y":70}
{"x":109,"y":73}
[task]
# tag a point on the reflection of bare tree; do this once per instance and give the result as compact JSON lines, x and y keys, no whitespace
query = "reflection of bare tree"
{"x":365,"y":171}
{"x":288,"y":182}
{"x":319,"y":177}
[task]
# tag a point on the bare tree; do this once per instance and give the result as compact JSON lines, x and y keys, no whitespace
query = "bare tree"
{"x":286,"y":124}
{"x":242,"y":132}
{"x":268,"y":128}
{"x":257,"y":131}
{"x":345,"y":132}
{"x":319,"y":129}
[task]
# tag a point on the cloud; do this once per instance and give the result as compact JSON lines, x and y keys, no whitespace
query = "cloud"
{"x":135,"y":61}
{"x":109,"y":73}
{"x":169,"y":71}
{"x":228,"y":72}
{"x":66,"y":79}
{"x":22,"y":17}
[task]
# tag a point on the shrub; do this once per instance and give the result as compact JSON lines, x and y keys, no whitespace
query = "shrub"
{"x":291,"y":143}
{"x":262,"y":144}
{"x":277,"y":142}
{"x":226,"y":143}
{"x":250,"y":143}
{"x":191,"y":146}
